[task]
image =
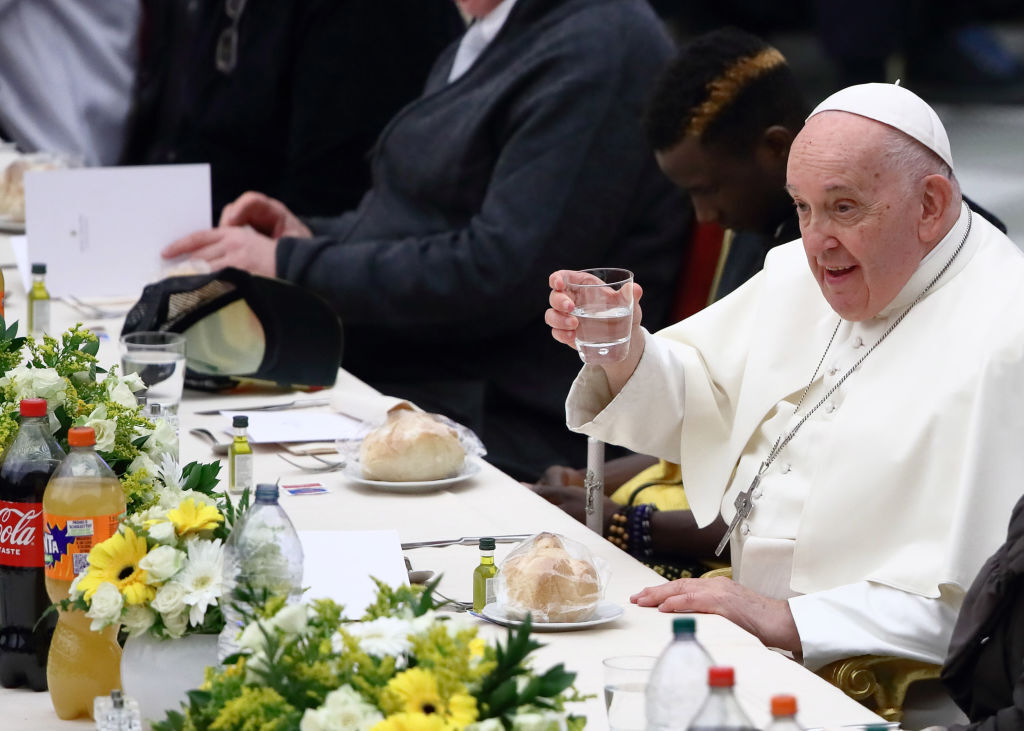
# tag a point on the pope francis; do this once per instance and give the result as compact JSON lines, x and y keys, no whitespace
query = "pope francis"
{"x":855,"y":411}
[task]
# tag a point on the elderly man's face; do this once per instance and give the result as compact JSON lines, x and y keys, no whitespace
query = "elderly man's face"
{"x":478,"y":8}
{"x":858,"y":219}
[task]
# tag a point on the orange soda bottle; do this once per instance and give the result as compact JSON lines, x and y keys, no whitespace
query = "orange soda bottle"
{"x":82,"y":504}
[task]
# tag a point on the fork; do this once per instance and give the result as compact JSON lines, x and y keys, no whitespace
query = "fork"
{"x":89,"y":310}
{"x":327,"y":465}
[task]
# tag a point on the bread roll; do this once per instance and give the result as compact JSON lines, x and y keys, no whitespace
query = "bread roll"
{"x":411,"y":446}
{"x":548,"y":582}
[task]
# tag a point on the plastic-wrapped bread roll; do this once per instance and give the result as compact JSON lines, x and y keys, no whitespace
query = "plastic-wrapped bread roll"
{"x":411,"y":446}
{"x":550,"y":582}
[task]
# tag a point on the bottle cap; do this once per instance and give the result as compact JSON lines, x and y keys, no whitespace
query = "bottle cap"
{"x":117,"y":698}
{"x":81,"y":436}
{"x":33,"y":407}
{"x":39,"y":268}
{"x":266,"y":493}
{"x":486,"y":544}
{"x":684,"y":626}
{"x":783,"y":705}
{"x":239,"y":421}
{"x":720,"y":677}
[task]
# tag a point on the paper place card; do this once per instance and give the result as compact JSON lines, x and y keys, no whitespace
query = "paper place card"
{"x":100,"y":230}
{"x":300,"y":425}
{"x":338,"y":565}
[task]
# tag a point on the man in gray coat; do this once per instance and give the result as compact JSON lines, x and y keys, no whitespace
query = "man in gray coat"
{"x":523,"y":155}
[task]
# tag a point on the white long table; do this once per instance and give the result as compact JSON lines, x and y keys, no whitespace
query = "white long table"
{"x":489,"y":503}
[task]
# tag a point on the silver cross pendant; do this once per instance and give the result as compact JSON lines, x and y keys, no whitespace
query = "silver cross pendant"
{"x":743,"y":505}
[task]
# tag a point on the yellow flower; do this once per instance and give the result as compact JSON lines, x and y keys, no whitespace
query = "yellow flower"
{"x":117,"y":560}
{"x":192,"y":517}
{"x":461,"y":710}
{"x":477,"y":645}
{"x":417,"y":691}
{"x":411,"y":722}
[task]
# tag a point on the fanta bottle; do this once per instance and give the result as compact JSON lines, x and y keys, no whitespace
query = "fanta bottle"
{"x":81,"y":507}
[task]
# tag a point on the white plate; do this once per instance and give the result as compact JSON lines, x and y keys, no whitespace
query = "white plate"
{"x":354,"y":472}
{"x":605,"y":612}
{"x":10,"y":226}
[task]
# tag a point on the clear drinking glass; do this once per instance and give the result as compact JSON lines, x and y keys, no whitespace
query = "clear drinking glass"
{"x":159,"y":359}
{"x":603,"y":300}
{"x":625,"y":686}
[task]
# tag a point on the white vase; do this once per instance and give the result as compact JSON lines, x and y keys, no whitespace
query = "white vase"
{"x":157,"y":673}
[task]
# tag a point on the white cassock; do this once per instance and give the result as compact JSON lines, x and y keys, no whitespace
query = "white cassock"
{"x":875,"y":518}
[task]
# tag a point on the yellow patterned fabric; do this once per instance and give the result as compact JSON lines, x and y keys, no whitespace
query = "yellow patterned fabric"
{"x":665,"y":491}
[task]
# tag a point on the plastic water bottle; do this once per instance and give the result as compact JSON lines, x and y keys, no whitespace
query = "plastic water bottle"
{"x":784,"y":714}
{"x":263,"y":553}
{"x":720,"y":711}
{"x":678,"y":683}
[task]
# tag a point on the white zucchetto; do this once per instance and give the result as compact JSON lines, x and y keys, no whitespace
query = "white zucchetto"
{"x":897,"y":107}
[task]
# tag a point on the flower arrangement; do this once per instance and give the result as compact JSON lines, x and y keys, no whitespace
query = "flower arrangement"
{"x":80,"y":393}
{"x":161,"y":573}
{"x":403,"y":667}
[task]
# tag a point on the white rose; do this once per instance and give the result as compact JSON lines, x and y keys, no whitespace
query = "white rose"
{"x":253,"y":637}
{"x":162,"y":440}
{"x":73,"y":592}
{"x":123,"y":396}
{"x":133,"y":381}
{"x":488,"y":724}
{"x":144,"y":462}
{"x":48,"y":384}
{"x":106,"y":606}
{"x":162,"y":532}
{"x":549,"y":721}
{"x":292,"y":620}
{"x":100,"y":412}
{"x":176,"y":623}
{"x":255,"y":666}
{"x":105,"y":432}
{"x":170,"y":599}
{"x":137,"y":619}
{"x":343,"y":710}
{"x":162,"y":563}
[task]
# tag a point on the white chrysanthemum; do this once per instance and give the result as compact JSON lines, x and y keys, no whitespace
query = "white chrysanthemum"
{"x":383,"y":637}
{"x":105,"y":607}
{"x":169,"y":472}
{"x":421,"y":624}
{"x":202,"y":577}
{"x":138,"y":619}
{"x":162,"y":563}
{"x":163,"y":441}
{"x":343,"y":710}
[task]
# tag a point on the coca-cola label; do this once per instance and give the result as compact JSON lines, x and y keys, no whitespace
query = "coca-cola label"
{"x":21,"y":534}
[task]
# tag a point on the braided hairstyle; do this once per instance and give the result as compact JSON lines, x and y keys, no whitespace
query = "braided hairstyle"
{"x":725,"y":88}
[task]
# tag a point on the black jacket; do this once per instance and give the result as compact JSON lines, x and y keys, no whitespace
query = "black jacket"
{"x":314,"y":84}
{"x":985,"y":667}
{"x":532,"y":161}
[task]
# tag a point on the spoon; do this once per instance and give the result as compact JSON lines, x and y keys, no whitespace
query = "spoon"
{"x":206,"y":435}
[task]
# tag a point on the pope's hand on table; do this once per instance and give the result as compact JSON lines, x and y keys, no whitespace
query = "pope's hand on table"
{"x":265,"y":214}
{"x":231,"y":246}
{"x":573,"y":500}
{"x":768,"y":619}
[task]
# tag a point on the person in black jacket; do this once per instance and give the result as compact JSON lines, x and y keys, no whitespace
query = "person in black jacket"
{"x":528,"y":159}
{"x":282,"y":97}
{"x":984,"y":670}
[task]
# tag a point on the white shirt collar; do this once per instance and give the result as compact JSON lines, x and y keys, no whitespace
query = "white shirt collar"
{"x":477,"y":37}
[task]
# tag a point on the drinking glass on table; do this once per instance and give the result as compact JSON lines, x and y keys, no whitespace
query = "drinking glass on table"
{"x":159,"y":360}
{"x":603,"y":300}
{"x":625,"y":685}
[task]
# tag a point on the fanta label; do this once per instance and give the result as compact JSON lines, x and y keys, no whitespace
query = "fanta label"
{"x":21,"y":534}
{"x":67,"y":541}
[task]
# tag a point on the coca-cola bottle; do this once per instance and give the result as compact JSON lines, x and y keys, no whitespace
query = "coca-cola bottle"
{"x":27,"y":466}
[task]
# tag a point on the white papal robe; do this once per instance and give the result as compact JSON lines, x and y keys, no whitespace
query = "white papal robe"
{"x":875,"y":518}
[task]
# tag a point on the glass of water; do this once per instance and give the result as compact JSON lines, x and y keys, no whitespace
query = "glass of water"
{"x":625,"y":683}
{"x":159,"y":360}
{"x":603,"y":305}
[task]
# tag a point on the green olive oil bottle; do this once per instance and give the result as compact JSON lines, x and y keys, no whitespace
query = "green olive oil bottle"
{"x":240,"y":467}
{"x":38,"y":302}
{"x":483,"y":576}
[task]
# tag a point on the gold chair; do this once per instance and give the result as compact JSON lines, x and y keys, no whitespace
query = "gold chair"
{"x":879,"y":682}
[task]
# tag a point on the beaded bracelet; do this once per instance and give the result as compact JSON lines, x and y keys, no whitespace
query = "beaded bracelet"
{"x":640,"y":539}
{"x":618,"y":534}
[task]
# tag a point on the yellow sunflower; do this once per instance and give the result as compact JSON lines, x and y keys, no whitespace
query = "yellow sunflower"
{"x":411,"y":722}
{"x":117,"y":560}
{"x":193,"y":517}
{"x":416,"y":690}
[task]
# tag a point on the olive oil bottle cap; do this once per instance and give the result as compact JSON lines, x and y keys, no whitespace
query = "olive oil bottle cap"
{"x":239,"y":421}
{"x":486,"y":544}
{"x":39,"y":269}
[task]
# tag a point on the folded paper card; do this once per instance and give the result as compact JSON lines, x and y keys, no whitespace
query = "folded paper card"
{"x":100,"y":230}
{"x":338,"y":564}
{"x":266,"y":427}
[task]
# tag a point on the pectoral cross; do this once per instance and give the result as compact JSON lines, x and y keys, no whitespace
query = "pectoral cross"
{"x":743,"y":505}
